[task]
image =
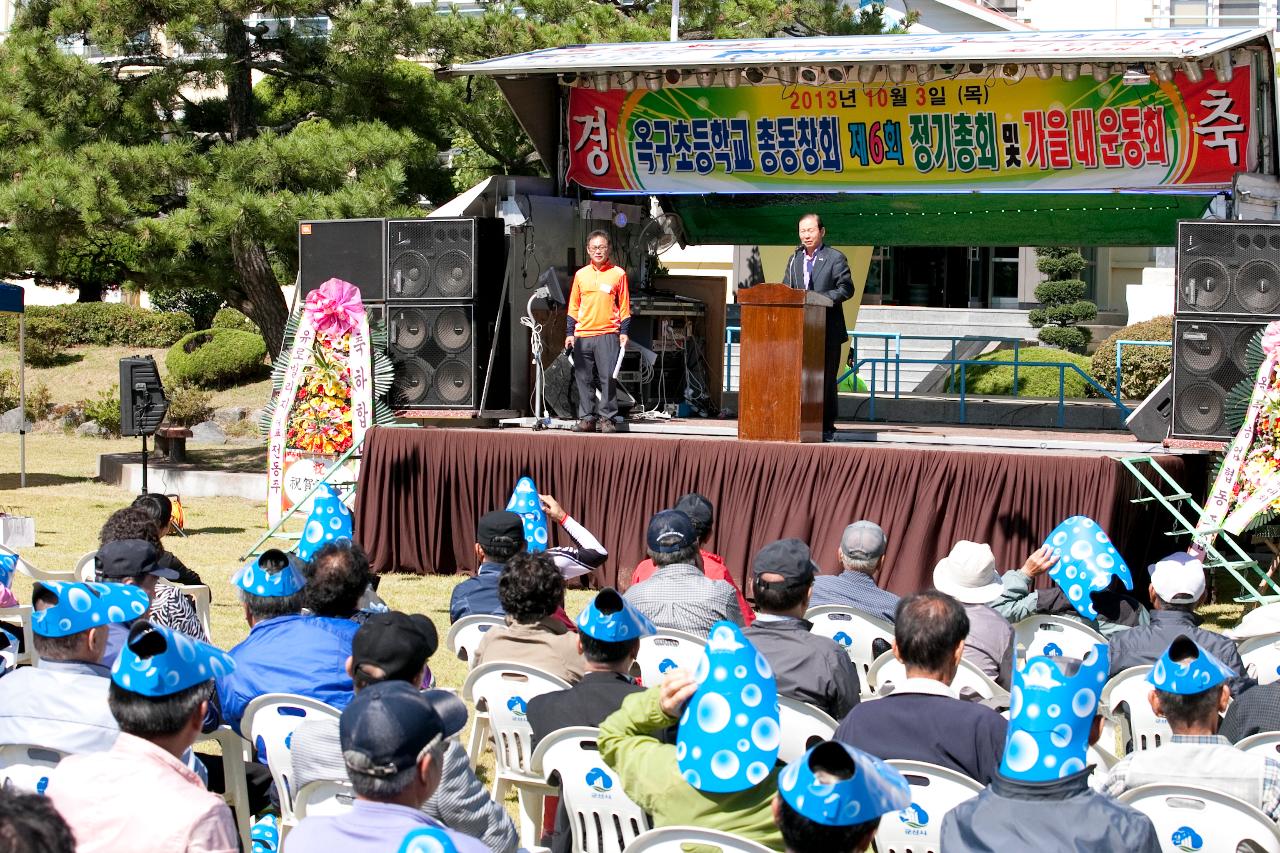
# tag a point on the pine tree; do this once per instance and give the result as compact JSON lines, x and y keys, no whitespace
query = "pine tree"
{"x":1062,"y":297}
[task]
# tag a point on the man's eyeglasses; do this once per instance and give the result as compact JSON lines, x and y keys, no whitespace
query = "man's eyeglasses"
{"x":594,"y":249}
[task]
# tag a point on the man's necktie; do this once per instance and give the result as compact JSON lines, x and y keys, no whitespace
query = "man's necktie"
{"x":808,"y":272}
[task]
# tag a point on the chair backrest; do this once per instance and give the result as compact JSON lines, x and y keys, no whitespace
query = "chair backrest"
{"x":1261,"y":656}
{"x":802,"y":725}
{"x":32,"y":572}
{"x":672,"y":839}
{"x":603,"y":818}
{"x":934,"y":792}
{"x":1125,"y":700}
{"x":465,"y":635}
{"x":1050,"y":635}
{"x":887,"y":669}
{"x":86,"y":567}
{"x":1188,"y":818}
{"x":269,"y":721}
{"x":323,"y":797}
{"x":854,"y":630}
{"x":505,"y":689}
{"x":666,"y":650}
{"x":22,"y":615}
{"x":26,"y":767}
{"x":1101,"y":761}
{"x":201,"y":599}
{"x":1266,"y":744}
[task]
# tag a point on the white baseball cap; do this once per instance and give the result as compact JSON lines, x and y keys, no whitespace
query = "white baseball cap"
{"x":1178,"y":578}
{"x":968,"y":574}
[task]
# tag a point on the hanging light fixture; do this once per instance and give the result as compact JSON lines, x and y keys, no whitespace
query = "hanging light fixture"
{"x":754,"y":76}
{"x":705,"y":77}
{"x":809,"y":75}
{"x":1164,"y":72}
{"x":1193,"y":70}
{"x":1070,"y":71}
{"x":867,"y":72}
{"x":1222,"y":65}
{"x":1044,"y":70}
{"x":732,"y":77}
{"x":897,"y":73}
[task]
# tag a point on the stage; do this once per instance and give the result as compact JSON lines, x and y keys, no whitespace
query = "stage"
{"x":421,"y":491}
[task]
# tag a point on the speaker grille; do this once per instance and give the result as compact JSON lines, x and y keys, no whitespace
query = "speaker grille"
{"x":433,"y":347}
{"x":1209,"y":360}
{"x":431,"y":259}
{"x":347,"y":249}
{"x":1230,"y":268}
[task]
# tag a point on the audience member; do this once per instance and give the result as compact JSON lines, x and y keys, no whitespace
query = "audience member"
{"x":1191,"y":692}
{"x":720,"y":773}
{"x":393,"y":740}
{"x":61,"y":703}
{"x":609,"y":632}
{"x":968,"y":574}
{"x":337,"y":578}
{"x":1117,"y":612}
{"x":1040,"y":797}
{"x":831,"y":799}
{"x":861,"y":555}
{"x":395,"y":647}
{"x":702,"y":514}
{"x":30,"y":824}
{"x":499,"y":537}
{"x":531,"y":590}
{"x":922,"y":720}
{"x":134,"y":561}
{"x":585,"y":555}
{"x":1177,"y":588}
{"x":808,"y":667}
{"x":678,"y":595}
{"x":160,"y":508}
{"x":139,"y":795}
{"x":285,"y":651}
{"x":1254,"y":711}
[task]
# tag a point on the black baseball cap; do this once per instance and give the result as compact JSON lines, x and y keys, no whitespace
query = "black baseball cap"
{"x":387,"y":726}
{"x":699,"y":510}
{"x":670,"y":531}
{"x":397,"y":643}
{"x":500,"y":529}
{"x":788,"y":558}
{"x":127,"y":558}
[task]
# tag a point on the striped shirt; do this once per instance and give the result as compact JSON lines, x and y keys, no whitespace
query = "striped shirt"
{"x":854,"y":589}
{"x":680,"y":596}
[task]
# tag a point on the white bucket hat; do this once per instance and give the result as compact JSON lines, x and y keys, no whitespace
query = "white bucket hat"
{"x":968,"y":574}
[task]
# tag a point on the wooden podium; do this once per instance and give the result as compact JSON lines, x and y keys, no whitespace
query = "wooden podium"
{"x":781,"y":366}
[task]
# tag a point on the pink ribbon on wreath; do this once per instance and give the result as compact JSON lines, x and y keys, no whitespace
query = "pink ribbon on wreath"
{"x":336,"y":307}
{"x":1271,"y":338}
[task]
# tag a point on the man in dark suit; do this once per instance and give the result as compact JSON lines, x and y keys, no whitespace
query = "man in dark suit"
{"x":818,"y":267}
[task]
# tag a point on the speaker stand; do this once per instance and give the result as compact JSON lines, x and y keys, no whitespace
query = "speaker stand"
{"x":144,"y":463}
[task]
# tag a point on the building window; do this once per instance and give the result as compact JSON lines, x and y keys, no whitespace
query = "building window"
{"x":878,"y":276}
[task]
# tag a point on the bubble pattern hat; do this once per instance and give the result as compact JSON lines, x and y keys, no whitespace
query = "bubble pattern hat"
{"x":264,"y":583}
{"x":610,"y":618}
{"x":157,"y":661}
{"x":729,"y":735}
{"x":427,"y":839}
{"x":330,"y":520}
{"x":874,"y":789}
{"x":82,"y":606}
{"x":1197,"y":672}
{"x":8,"y":565}
{"x":1050,"y":715}
{"x":526,"y":504}
{"x":1086,"y":562}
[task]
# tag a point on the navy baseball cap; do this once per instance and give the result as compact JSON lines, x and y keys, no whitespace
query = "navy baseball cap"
{"x":670,"y":531}
{"x":387,"y":726}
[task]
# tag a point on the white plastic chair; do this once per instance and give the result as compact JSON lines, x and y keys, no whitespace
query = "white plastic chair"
{"x":1191,"y":818}
{"x":887,"y":669}
{"x":1047,"y":634}
{"x":854,"y":630}
{"x":1102,"y":761}
{"x":32,"y":572}
{"x":323,"y":797}
{"x":26,"y":767}
{"x":603,"y":818}
{"x":1266,"y":744}
{"x":672,"y":839}
{"x":667,"y":650}
{"x":802,"y":725}
{"x":505,"y":690}
{"x":1261,"y":656}
{"x":465,"y":635}
{"x":202,"y":599}
{"x":233,"y":749}
{"x":934,"y":792}
{"x":270,"y":721}
{"x":1124,"y":702}
{"x":86,"y":567}
{"x":22,"y":614}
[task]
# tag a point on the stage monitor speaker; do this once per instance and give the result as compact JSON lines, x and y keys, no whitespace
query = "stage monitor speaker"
{"x":143,"y":403}
{"x":1208,"y":361}
{"x":349,"y":249}
{"x":438,"y":356}
{"x":448,"y":260}
{"x":1150,"y":420}
{"x":1228,"y":269}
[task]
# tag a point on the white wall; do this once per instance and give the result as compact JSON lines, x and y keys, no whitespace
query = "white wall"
{"x":1088,"y":14}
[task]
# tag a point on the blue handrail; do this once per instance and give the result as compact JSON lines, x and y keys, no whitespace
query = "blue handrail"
{"x":1120,"y":345}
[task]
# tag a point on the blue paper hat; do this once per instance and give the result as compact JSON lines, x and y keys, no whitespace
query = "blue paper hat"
{"x":8,"y":651}
{"x":1050,"y":715}
{"x":872,"y":789}
{"x":610,"y":618}
{"x":264,"y":583}
{"x":427,"y":839}
{"x":1086,"y":562}
{"x":330,"y":520}
{"x":1187,"y":669}
{"x":82,"y":606}
{"x":157,"y":661}
{"x":729,"y":735}
{"x":8,"y":565}
{"x":526,"y":504}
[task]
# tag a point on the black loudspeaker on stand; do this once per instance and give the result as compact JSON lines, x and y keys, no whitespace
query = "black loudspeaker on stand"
{"x":143,"y":403}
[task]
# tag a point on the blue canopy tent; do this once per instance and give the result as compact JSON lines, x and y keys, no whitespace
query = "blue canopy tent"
{"x":11,"y":301}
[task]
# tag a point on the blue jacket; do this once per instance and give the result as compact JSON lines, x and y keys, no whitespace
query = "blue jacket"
{"x":305,"y":655}
{"x":477,"y":595}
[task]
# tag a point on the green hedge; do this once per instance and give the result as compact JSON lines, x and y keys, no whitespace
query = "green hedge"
{"x":230,"y":318}
{"x":216,"y":358}
{"x":102,"y":324}
{"x":1144,"y":367}
{"x":1032,"y":381}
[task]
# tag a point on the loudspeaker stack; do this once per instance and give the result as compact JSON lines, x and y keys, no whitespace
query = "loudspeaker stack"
{"x":437,"y":283}
{"x":1228,"y":289}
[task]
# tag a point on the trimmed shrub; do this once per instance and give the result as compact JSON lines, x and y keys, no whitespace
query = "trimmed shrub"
{"x":45,"y":340}
{"x":1032,"y":381}
{"x":1144,"y":367}
{"x":104,"y":409}
{"x":1062,"y":298}
{"x":197,"y":303}
{"x":104,"y":324}
{"x":230,"y":318}
{"x":188,"y":404}
{"x":215,"y":358}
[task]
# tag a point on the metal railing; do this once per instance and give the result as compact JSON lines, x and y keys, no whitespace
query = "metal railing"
{"x":953,"y":340}
{"x":1120,"y":345}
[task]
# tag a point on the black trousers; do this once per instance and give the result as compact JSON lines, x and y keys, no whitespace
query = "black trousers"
{"x":830,"y":399}
{"x":593,"y":362}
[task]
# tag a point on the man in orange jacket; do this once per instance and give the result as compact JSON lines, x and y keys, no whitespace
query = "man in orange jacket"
{"x":596,"y":332}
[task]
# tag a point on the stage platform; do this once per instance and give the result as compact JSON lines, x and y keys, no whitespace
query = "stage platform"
{"x":421,"y":491}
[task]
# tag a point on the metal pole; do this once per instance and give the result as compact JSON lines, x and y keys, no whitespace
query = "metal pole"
{"x":22,"y":401}
{"x":144,"y":463}
{"x":675,"y":20}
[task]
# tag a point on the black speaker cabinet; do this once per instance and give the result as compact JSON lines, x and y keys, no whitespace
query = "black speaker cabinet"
{"x":349,"y":249}
{"x":447,"y":260}
{"x":441,"y":353}
{"x":1228,"y":269}
{"x":1208,"y":361}
{"x":1150,"y":420}
{"x":143,"y":403}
